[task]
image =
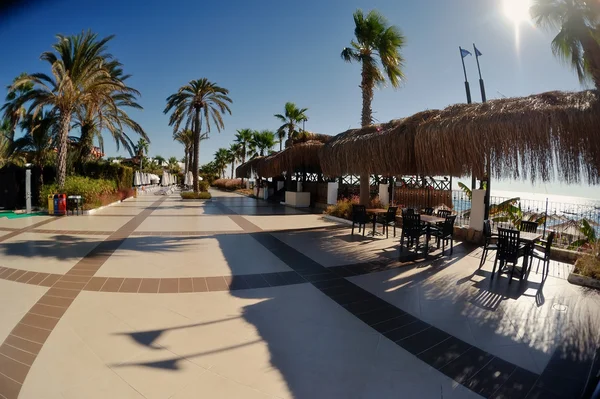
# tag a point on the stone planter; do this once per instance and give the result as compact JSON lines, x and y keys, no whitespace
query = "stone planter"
{"x":584,"y":281}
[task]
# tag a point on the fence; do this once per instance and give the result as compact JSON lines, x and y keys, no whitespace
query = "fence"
{"x":567,"y":220}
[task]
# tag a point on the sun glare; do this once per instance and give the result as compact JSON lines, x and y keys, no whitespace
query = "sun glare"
{"x":517,"y":10}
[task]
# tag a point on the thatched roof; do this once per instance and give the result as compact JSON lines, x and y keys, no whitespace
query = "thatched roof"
{"x":525,"y":137}
{"x":381,"y":149}
{"x":302,"y":157}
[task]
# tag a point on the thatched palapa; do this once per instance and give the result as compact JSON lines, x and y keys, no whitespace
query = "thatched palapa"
{"x":386,"y":149}
{"x":246,"y":169}
{"x":525,"y":137}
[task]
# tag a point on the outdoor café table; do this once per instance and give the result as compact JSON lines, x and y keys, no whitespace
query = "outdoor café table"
{"x":529,"y":239}
{"x":429,"y":220}
{"x":375,"y":212}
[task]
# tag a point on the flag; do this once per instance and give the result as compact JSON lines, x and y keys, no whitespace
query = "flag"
{"x":464,"y":52}
{"x":477,"y":52}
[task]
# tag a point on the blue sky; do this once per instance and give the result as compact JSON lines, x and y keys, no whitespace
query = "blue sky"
{"x":268,"y":52}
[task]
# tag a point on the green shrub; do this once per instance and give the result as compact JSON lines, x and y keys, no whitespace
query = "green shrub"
{"x":343,"y":208}
{"x":95,"y":192}
{"x":120,"y":174}
{"x":203,"y":185}
{"x":589,"y":263}
{"x":193,"y":195}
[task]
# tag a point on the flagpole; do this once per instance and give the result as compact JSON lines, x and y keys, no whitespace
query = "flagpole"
{"x":467,"y":89}
{"x":481,"y":85}
{"x":488,"y":168}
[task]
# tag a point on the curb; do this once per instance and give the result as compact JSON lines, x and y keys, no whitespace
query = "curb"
{"x":92,"y":211}
{"x":583,"y":281}
{"x":337,"y":220}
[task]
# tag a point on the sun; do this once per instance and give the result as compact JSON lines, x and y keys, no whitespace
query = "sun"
{"x":517,"y":10}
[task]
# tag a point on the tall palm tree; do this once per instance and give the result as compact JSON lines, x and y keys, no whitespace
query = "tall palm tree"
{"x":185,"y":137}
{"x":13,"y":109}
{"x":577,"y":42}
{"x":173,"y":165}
{"x":79,"y":74}
{"x":376,"y":47}
{"x":199,"y":99}
{"x":221,"y":160}
{"x":141,"y":149}
{"x":262,"y":142}
{"x":6,"y":143}
{"x":236,"y":155}
{"x":243,"y":138}
{"x":291,"y":119}
{"x":38,"y":142}
{"x":107,"y":112}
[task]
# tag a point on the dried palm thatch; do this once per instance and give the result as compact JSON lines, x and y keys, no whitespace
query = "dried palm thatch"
{"x":302,"y":157}
{"x":527,"y":137}
{"x":247,"y":169}
{"x":386,"y":149}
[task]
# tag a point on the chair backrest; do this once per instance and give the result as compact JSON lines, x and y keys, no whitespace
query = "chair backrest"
{"x":528,"y":227}
{"x":428,"y":211}
{"x":508,"y":243}
{"x":549,"y":242}
{"x":443,"y":213}
{"x":407,"y":211}
{"x":487,"y":229}
{"x":359,"y":213}
{"x":448,"y":226}
{"x":411,"y":225}
{"x":390,"y":216}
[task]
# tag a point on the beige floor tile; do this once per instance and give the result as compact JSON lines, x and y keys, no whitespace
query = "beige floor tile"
{"x":188,"y":256}
{"x":88,"y":223}
{"x":120,"y":210}
{"x":15,"y":300}
{"x":107,"y":385}
{"x":48,"y":253}
{"x":189,"y":223}
{"x":289,"y":222}
{"x":213,"y":385}
{"x":21,"y":223}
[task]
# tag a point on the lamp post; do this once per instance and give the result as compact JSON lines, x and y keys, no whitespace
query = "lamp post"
{"x":28,"y":187}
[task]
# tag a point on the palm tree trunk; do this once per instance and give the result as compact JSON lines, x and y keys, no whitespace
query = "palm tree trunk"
{"x":243,"y":158}
{"x":280,"y":143}
{"x":196,"y":148}
{"x":61,"y":159}
{"x":366,"y":119}
{"x":232,"y":166}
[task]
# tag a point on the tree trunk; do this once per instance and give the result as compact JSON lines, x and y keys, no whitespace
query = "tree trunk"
{"x":196,"y":148}
{"x":280,"y":144}
{"x":61,"y":159}
{"x":243,"y":158}
{"x":232,"y":166}
{"x":41,"y":178}
{"x":366,"y":120}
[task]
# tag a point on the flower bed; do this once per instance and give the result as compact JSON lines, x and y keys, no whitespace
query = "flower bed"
{"x":94,"y":192}
{"x":228,"y":184}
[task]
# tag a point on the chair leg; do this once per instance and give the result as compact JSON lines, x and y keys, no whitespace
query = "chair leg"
{"x":512,"y":271}
{"x":451,"y":246}
{"x":494,"y":268}
{"x":387,"y":231}
{"x":394,"y":230}
{"x":353,"y":228}
{"x":364,"y":228}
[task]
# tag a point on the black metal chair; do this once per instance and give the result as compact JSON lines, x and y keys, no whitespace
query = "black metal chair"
{"x":490,"y":244}
{"x":407,"y":211}
{"x":528,"y":227}
{"x":443,"y":213}
{"x":509,"y":251}
{"x":387,"y":219}
{"x":542,"y":253}
{"x":359,"y":216}
{"x":412,"y":229}
{"x":444,"y":233}
{"x":428,"y":211}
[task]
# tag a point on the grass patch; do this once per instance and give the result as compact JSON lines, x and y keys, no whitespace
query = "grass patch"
{"x":204,"y":195}
{"x":245,"y":191}
{"x":589,"y":264}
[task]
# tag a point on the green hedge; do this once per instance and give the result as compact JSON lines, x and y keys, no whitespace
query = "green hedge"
{"x":122,"y":175}
{"x":93,"y":191}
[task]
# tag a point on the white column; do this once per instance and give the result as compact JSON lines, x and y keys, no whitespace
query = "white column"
{"x":332,"y":193}
{"x":299,"y":186}
{"x":477,"y":210}
{"x":28,"y":190}
{"x":384,"y":195}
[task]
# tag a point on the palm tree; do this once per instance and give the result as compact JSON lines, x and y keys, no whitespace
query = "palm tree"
{"x":185,"y":137}
{"x":107,"y":113}
{"x":376,"y":47}
{"x":160,"y":160}
{"x":141,"y":149}
{"x":243,"y":138}
{"x":194,"y":101}
{"x":6,"y":143}
{"x":38,"y":143}
{"x":221,"y":161}
{"x":262,"y":142}
{"x":236,"y":155}
{"x":291,"y":118}
{"x":577,"y":40}
{"x":173,"y":164}
{"x":79,"y":75}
